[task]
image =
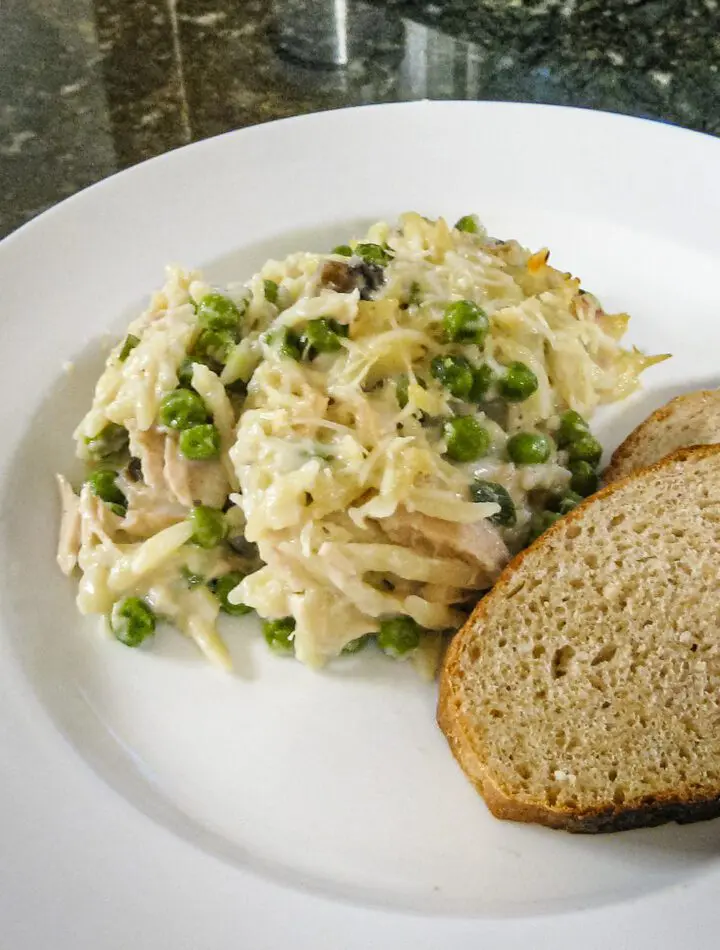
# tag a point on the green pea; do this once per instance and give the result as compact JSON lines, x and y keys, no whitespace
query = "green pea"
{"x":131,"y":341}
{"x":572,"y":427}
{"x":466,"y":439}
{"x":468,"y":223}
{"x":271,"y":291}
{"x":585,"y":449}
{"x":583,"y":479}
{"x":465,"y":322}
{"x":401,"y":390}
{"x":102,"y":483}
{"x":182,"y":409}
{"x":184,"y":373}
{"x":483,"y":491}
{"x":541,"y":521}
{"x":483,"y":378}
{"x":374,"y":253}
{"x":132,"y":621}
{"x":213,"y":347}
{"x":290,"y":347}
{"x":218,"y":312}
{"x":402,"y":384}
{"x":209,"y":526}
{"x":414,"y":294}
{"x":454,"y":373}
{"x":287,"y":343}
{"x":567,"y":502}
{"x":323,"y":336}
{"x":355,"y":646}
{"x":280,"y":634}
{"x":110,"y":440}
{"x":200,"y":443}
{"x":344,"y":250}
{"x":222,"y":586}
{"x":529,"y":448}
{"x":518,"y":383}
{"x":399,"y":635}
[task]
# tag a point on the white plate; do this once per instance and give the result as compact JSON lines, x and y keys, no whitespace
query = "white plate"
{"x":148,"y":801}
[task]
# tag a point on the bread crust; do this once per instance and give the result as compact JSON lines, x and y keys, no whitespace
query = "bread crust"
{"x":625,"y":452}
{"x":465,"y":745}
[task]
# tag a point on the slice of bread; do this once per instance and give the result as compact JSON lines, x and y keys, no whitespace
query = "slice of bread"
{"x":584,"y":691}
{"x":692,"y":419}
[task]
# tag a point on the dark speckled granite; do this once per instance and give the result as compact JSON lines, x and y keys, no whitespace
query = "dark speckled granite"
{"x":91,"y":86}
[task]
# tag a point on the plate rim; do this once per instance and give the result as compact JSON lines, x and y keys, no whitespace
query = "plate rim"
{"x":401,"y":105}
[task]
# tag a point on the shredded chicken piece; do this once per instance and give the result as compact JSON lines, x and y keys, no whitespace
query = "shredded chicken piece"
{"x":149,"y":446}
{"x":176,"y":472}
{"x":144,"y":523}
{"x":203,"y":483}
{"x":478,"y":544}
{"x":97,"y":552}
{"x":208,"y":483}
{"x":97,"y":523}
{"x":69,"y":542}
{"x":173,"y":483}
{"x":149,"y":509}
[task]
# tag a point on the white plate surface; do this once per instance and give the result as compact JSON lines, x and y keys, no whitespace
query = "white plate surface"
{"x":148,"y":801}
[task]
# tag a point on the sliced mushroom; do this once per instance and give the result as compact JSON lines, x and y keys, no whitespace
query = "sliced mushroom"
{"x":345,"y":277}
{"x":338,"y":276}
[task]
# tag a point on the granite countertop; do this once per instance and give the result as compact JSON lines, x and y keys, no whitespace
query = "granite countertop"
{"x":88,"y":87}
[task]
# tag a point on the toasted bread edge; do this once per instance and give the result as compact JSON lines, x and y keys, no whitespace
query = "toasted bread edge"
{"x":627,"y":449}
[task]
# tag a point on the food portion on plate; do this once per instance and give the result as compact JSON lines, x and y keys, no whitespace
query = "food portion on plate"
{"x":353,"y":444}
{"x":584,"y":691}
